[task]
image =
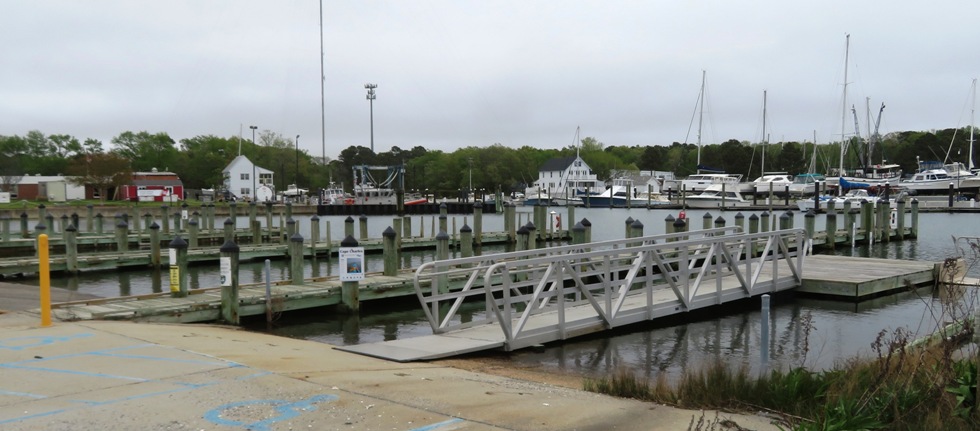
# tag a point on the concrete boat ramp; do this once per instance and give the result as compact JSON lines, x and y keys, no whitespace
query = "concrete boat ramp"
{"x":560,"y":294}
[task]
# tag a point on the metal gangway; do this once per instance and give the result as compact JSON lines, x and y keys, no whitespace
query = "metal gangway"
{"x":536,"y":296}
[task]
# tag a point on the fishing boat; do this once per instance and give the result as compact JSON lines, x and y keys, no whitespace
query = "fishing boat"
{"x":717,"y":196}
{"x":876,"y":174}
{"x":333,"y":195}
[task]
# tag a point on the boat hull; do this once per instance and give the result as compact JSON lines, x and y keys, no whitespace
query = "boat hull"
{"x":693,"y":202}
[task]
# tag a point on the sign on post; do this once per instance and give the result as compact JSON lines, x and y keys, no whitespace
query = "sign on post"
{"x":351,"y":263}
{"x":224,"y":266}
{"x":174,"y":272}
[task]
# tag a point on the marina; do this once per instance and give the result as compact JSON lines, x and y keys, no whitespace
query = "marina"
{"x":669,"y":342}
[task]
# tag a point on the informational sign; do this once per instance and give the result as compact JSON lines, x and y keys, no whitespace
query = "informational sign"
{"x":184,"y":215}
{"x":174,"y":279}
{"x":173,"y":256}
{"x":224,"y":264}
{"x":351,"y":263}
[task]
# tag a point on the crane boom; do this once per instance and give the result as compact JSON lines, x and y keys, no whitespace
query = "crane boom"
{"x":857,"y":135}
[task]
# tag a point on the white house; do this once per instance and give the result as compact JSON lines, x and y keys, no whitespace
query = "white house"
{"x":242,"y":177}
{"x":563,"y":175}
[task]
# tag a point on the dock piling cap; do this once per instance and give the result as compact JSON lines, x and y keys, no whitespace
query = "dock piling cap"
{"x":349,"y":242}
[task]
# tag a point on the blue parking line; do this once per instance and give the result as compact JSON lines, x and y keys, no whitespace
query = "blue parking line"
{"x":22,"y":394}
{"x":85,"y":403}
{"x":72,"y":372}
{"x":33,"y":416}
{"x":21,"y":343}
{"x":286,"y":410}
{"x":438,"y":425}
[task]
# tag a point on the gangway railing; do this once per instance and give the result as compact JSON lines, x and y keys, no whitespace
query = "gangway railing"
{"x":555,"y":293}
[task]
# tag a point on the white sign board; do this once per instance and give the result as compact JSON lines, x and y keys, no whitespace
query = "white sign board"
{"x":224,"y":265}
{"x":351,"y":263}
{"x":4,"y":197}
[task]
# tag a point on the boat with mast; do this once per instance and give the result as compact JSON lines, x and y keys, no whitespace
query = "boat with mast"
{"x":774,"y":183}
{"x":868,"y":175}
{"x":704,"y":177}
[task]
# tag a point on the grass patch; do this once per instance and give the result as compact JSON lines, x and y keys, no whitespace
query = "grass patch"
{"x":902,"y":388}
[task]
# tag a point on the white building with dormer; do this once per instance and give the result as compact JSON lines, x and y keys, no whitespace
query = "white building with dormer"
{"x":563,"y":178}
{"x":242,"y":178}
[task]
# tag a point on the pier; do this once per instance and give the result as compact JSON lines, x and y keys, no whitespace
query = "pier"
{"x":594,"y":285}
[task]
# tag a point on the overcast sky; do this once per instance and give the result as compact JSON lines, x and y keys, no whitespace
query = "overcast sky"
{"x":453,"y":74}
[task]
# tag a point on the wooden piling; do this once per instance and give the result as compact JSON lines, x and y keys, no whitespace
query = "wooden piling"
{"x":389,"y":245}
{"x":89,"y":218}
{"x":314,"y":234}
{"x":831,"y":228}
{"x":178,"y":267}
{"x":349,"y":289}
{"x":165,"y":219}
{"x":154,"y":245}
{"x":900,"y":234}
{"x":229,"y":230}
{"x":71,"y":249}
{"x":915,"y":218}
{"x":478,"y":224}
{"x":296,"y":258}
{"x":442,"y":254}
{"x":229,"y":282}
{"x":364,"y":227}
{"x":122,"y":236}
{"x":192,"y":230}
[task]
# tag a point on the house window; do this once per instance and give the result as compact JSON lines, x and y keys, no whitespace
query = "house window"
{"x":245,"y":191}
{"x":245,"y":176}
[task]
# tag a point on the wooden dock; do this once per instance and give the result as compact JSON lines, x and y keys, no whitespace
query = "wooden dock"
{"x":835,"y":276}
{"x":143,"y":256}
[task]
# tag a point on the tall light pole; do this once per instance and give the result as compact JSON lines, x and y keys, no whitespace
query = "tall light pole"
{"x":370,"y":97}
{"x":253,"y":162}
{"x":297,"y":162}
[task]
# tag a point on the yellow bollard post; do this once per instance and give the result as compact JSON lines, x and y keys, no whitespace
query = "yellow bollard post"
{"x":45,"y":272}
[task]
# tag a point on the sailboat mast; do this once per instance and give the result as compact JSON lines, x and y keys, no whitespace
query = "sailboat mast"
{"x":700,"y":116}
{"x":972,"y":112}
{"x":323,"y":115}
{"x":764,"y":140}
{"x":813,"y":157}
{"x":843,"y":115}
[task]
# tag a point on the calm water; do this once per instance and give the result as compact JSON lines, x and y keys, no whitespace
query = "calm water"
{"x":838,"y":330}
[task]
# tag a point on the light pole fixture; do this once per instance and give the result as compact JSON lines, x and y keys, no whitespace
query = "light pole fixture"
{"x":253,"y":162}
{"x":370,"y":97}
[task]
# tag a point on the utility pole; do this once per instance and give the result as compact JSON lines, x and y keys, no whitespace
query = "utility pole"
{"x":370,"y":97}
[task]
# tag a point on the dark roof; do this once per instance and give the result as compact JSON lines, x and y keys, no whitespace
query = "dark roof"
{"x":557,"y":164}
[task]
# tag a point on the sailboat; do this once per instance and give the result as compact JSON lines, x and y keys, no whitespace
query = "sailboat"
{"x":806,"y":184}
{"x":704,"y":177}
{"x":769,"y":182}
{"x":965,"y":177}
{"x":869,"y":175}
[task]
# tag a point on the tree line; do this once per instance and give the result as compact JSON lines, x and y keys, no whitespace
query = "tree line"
{"x":199,"y":160}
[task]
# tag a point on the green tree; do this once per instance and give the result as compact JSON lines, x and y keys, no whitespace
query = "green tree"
{"x":103,"y":171}
{"x":147,"y":151}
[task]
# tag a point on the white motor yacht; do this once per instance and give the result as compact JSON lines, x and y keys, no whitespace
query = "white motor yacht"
{"x":775,"y":182}
{"x":717,"y":196}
